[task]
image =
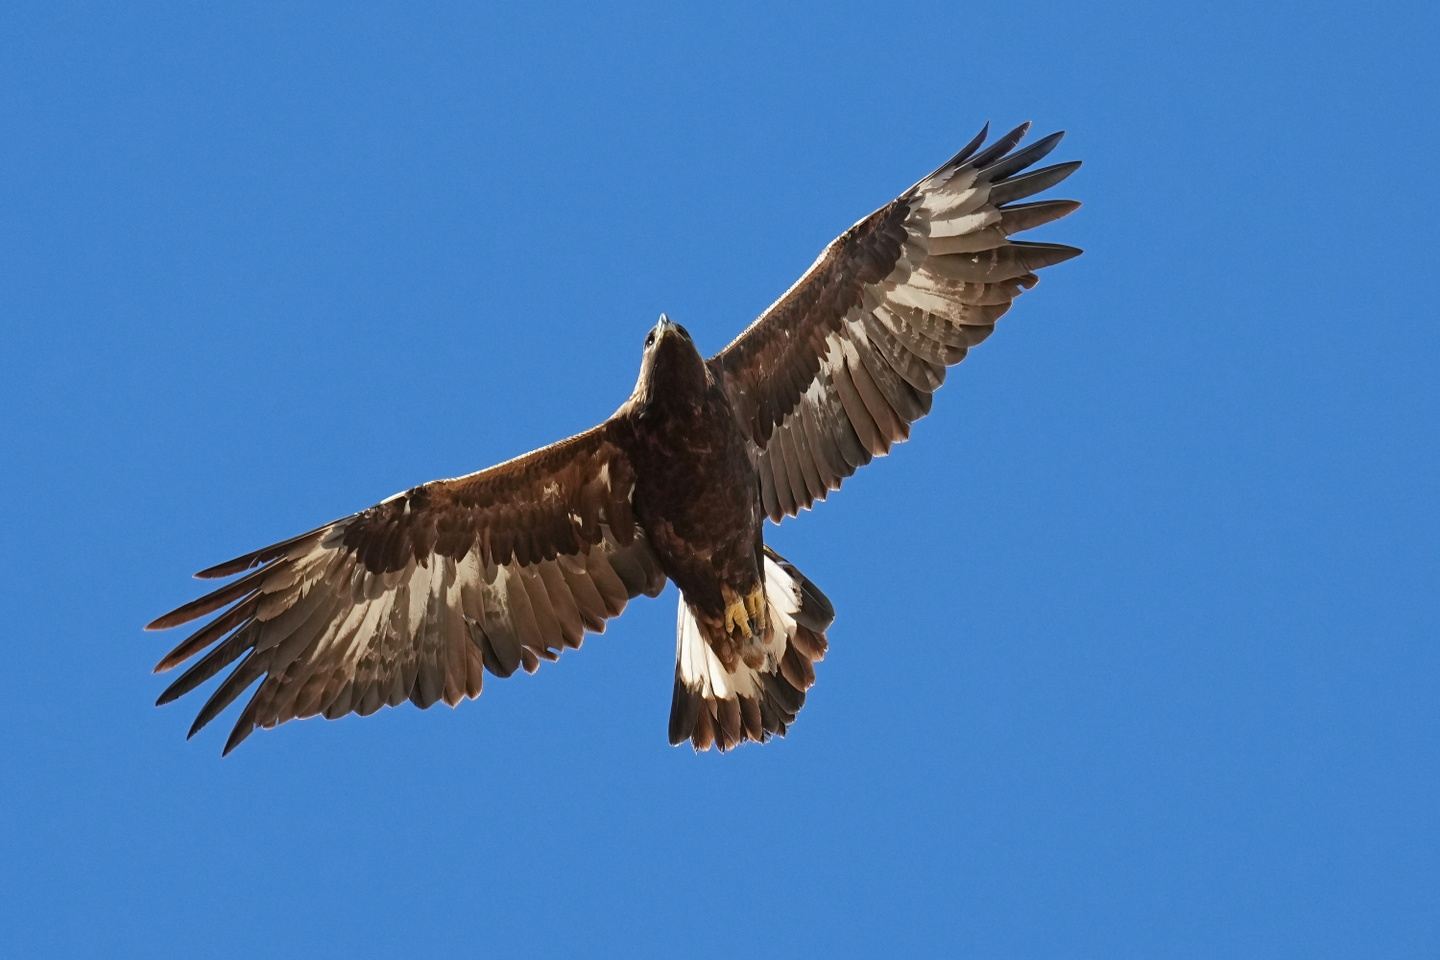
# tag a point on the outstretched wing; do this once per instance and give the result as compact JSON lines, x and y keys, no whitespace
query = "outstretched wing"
{"x":409,"y":599}
{"x":837,"y":369}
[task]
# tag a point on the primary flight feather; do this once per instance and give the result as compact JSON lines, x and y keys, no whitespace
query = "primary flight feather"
{"x":421,"y":595}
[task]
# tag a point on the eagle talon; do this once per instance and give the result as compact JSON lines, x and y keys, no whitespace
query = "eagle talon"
{"x":737,"y":619}
{"x":755,"y":604}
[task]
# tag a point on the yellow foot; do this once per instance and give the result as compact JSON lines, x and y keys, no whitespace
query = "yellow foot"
{"x":755,"y":604}
{"x":747,"y":616}
{"x":737,"y":619}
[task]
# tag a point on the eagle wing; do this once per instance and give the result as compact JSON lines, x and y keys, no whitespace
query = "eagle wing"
{"x":409,"y":599}
{"x":837,"y":369}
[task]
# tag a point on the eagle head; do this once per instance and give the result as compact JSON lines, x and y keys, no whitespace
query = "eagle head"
{"x":671,"y":368}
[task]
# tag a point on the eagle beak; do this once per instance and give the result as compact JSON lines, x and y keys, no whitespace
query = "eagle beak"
{"x":665,"y":326}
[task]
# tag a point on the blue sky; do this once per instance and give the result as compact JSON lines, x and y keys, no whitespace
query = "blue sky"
{"x":1136,"y":651}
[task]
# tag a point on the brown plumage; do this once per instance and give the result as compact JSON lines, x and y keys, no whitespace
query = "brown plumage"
{"x":419,"y":596}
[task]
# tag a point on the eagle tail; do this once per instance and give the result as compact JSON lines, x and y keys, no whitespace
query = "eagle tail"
{"x":724,"y":707}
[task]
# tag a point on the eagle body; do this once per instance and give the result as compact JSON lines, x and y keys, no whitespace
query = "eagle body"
{"x":697,"y":492}
{"x":427,"y":593}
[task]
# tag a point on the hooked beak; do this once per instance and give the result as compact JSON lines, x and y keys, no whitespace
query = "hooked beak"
{"x":665,"y":326}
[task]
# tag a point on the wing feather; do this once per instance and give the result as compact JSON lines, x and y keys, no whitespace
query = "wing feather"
{"x":835,"y":371}
{"x":415,"y":597}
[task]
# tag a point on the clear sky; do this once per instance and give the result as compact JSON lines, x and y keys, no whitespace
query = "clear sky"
{"x":1137,"y":642}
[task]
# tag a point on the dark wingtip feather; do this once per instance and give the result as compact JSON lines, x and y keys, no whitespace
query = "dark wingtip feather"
{"x":206,"y":635}
{"x":256,"y":558}
{"x":958,"y":159}
{"x":242,"y":730}
{"x":230,"y":567}
{"x":1020,"y":217}
{"x":1037,"y":256}
{"x":193,"y":610}
{"x":235,"y":565}
{"x":174,"y":618}
{"x":182,"y":684}
{"x":1021,"y":159}
{"x":231,"y":688}
{"x":964,"y":152}
{"x":209,"y":603}
{"x":1000,"y":147}
{"x":1029,"y":184}
{"x":173,"y":659}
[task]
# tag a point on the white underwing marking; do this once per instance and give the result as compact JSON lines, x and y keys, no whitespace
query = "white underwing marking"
{"x":910,"y":296}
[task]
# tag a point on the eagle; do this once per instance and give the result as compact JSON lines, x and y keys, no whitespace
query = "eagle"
{"x":418,"y":597}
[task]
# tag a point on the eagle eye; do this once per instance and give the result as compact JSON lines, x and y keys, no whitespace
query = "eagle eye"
{"x":650,"y":340}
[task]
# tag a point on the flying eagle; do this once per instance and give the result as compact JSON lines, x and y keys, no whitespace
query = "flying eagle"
{"x":417,"y":597}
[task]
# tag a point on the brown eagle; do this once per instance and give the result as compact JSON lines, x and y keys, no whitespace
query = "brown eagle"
{"x":419,"y":596}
